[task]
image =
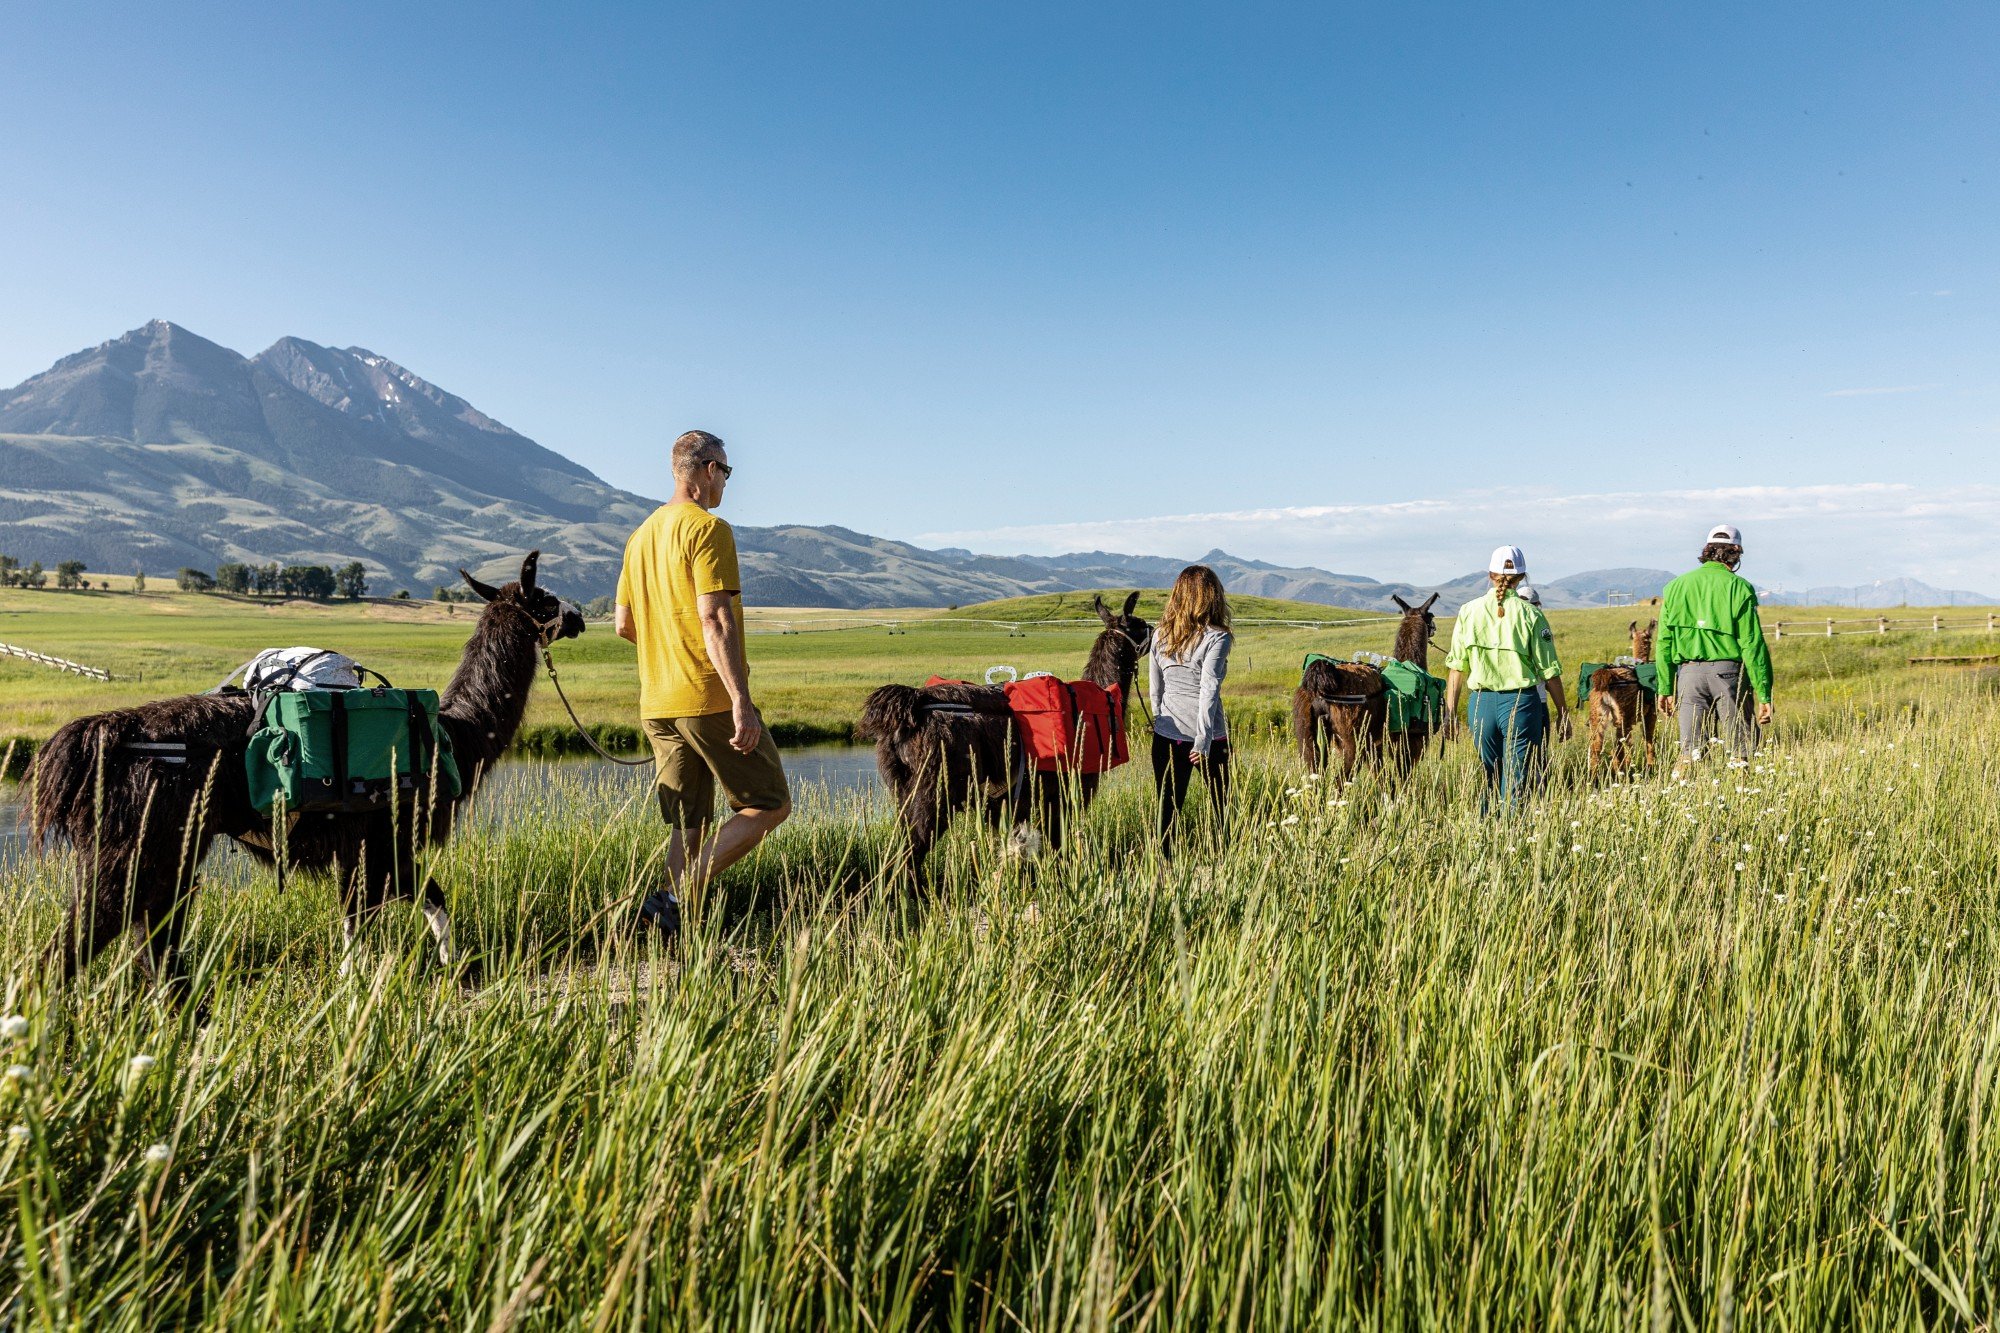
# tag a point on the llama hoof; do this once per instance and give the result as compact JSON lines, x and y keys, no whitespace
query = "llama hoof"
{"x":1026,"y":844}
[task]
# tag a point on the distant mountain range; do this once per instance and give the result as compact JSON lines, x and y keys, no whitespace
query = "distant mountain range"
{"x":161,"y":449}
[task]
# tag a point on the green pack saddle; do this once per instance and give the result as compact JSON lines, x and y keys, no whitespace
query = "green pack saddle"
{"x":1649,"y":678}
{"x":1415,"y":696}
{"x":349,"y":751}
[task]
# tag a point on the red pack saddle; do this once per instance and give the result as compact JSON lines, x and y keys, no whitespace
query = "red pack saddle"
{"x":1067,"y":726}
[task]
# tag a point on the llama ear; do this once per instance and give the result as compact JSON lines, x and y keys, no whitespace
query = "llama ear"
{"x":1097,"y":605}
{"x":1401,"y":605}
{"x":487,"y":592}
{"x":1632,"y":628}
{"x":1130,"y":602}
{"x":1652,"y":625}
{"x":528,"y":568}
{"x":1429,"y":602}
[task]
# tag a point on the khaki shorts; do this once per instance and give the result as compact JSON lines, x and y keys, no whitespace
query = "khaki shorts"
{"x":692,"y":754}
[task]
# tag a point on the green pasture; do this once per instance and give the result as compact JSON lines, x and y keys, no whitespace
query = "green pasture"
{"x":1717,"y":1050}
{"x":810,"y":669}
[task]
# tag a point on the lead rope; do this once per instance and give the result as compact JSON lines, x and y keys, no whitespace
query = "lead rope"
{"x":548,"y":660}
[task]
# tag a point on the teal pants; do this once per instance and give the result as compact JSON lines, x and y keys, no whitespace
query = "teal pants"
{"x":1509,"y":728}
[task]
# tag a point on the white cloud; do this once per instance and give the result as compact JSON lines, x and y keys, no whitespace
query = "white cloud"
{"x":1869,"y":393}
{"x":1795,"y":535}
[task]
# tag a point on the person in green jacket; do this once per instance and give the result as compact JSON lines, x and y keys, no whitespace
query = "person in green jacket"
{"x":1711,"y":653}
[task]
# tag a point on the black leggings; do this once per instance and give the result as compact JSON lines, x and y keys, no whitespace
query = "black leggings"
{"x":1173,"y":764}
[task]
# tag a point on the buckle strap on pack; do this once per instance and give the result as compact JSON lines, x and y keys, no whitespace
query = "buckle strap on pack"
{"x":339,"y":742}
{"x":420,"y":735}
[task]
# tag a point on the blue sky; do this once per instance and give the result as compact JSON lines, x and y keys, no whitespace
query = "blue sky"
{"x":1370,"y":286}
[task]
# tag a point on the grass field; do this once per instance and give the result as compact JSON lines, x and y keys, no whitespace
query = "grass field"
{"x":1709,"y":1051}
{"x":1719,"y":1050}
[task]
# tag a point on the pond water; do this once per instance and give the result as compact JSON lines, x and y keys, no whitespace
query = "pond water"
{"x":821,"y":776}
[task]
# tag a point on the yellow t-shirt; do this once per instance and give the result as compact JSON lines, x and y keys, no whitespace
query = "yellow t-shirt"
{"x":679,"y":553}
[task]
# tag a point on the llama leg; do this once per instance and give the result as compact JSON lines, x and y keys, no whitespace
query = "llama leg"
{"x":438,"y":919}
{"x":97,"y":915}
{"x":165,"y":925}
{"x":1052,"y":809}
{"x":922,"y":824}
{"x":348,"y":867}
{"x":1305,"y":729}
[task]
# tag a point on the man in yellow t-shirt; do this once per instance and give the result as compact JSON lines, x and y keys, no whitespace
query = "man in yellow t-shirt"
{"x":680,"y":601}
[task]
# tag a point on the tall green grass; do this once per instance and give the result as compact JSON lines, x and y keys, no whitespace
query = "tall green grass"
{"x":1716,"y":1051}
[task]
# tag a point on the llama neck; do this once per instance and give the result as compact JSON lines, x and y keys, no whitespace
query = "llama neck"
{"x":489,"y":691}
{"x":1113,"y":661}
{"x":1412,"y":644}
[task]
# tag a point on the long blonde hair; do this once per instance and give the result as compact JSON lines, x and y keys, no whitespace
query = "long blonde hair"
{"x":1196,"y":603}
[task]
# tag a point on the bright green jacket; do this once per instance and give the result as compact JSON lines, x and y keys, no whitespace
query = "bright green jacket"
{"x":1497,"y":652}
{"x":1710,"y":615}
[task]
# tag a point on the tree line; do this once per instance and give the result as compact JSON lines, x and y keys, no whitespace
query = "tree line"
{"x":317,"y":582}
{"x":68,"y":573}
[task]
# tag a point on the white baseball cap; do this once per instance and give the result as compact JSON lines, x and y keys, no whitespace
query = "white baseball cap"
{"x":1726,"y":532}
{"x":1531,"y":595}
{"x":1507,"y":560}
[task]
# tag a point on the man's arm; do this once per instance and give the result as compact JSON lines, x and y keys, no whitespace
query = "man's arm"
{"x":1664,"y":664}
{"x":725,"y":653}
{"x":623,"y":625}
{"x":1756,"y":652}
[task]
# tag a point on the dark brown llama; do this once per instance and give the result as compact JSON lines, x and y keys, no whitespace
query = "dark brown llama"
{"x":1618,"y":704}
{"x":140,"y":826}
{"x":942,"y":748}
{"x":1344,"y":706}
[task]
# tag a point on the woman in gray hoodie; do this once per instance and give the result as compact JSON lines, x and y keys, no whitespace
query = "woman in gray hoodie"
{"x":1190,"y":656}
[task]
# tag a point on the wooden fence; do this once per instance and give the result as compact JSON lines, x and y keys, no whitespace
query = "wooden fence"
{"x":1936,"y":624}
{"x":59,"y":663}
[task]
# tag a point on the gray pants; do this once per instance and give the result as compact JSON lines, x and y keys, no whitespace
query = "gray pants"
{"x":1713,"y":697}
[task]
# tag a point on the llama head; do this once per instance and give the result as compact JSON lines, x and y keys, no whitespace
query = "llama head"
{"x":1131,"y":628}
{"x":554,"y":617}
{"x":1419,"y":626}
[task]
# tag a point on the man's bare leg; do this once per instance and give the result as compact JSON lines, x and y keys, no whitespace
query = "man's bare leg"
{"x":736,"y":839}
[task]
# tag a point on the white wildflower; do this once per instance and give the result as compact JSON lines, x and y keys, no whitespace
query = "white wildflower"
{"x":14,"y":1027}
{"x":18,"y":1133}
{"x":1777,"y":897}
{"x":159,"y":1155}
{"x":1289,"y":820}
{"x":16,"y":1073}
{"x":140,"y":1064}
{"x":1739,"y":865}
